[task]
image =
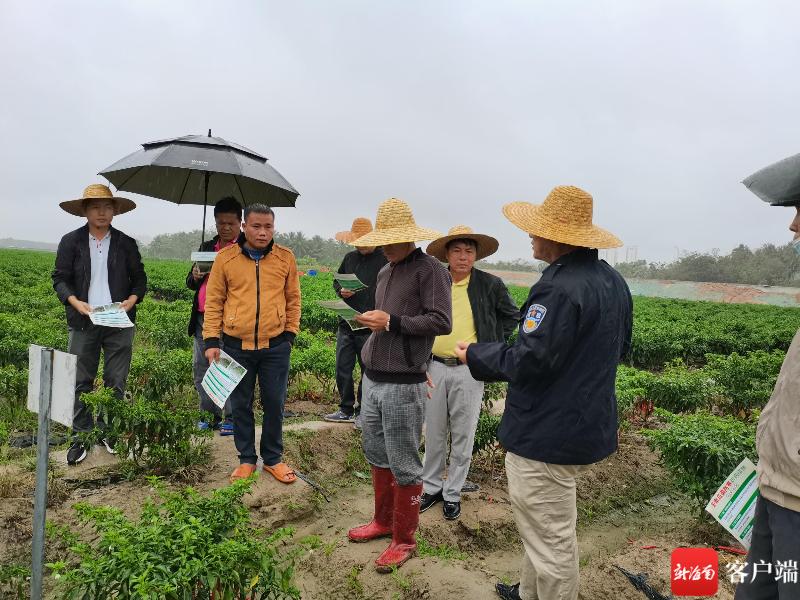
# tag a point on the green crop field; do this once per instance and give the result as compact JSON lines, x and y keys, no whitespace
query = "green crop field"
{"x":693,"y":385}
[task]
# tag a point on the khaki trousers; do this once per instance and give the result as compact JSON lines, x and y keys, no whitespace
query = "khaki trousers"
{"x":543,"y":499}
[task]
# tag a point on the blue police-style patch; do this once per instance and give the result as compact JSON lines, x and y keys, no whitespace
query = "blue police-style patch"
{"x":533,"y":318}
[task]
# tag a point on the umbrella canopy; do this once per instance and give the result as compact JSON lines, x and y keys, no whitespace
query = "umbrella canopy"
{"x":779,"y":183}
{"x":193,"y":168}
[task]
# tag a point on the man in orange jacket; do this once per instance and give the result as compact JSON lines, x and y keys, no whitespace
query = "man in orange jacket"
{"x":253,"y":306}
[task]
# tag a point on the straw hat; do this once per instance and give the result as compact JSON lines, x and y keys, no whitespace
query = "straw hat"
{"x":394,"y":225}
{"x":565,"y":216}
{"x":487,"y":245}
{"x":361,"y":226}
{"x":95,"y":191}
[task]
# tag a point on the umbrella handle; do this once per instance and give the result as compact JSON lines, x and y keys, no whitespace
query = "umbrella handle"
{"x":205,"y":206}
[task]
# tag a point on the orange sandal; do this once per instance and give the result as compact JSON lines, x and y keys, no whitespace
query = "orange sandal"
{"x":243,"y":471}
{"x":282,"y":472}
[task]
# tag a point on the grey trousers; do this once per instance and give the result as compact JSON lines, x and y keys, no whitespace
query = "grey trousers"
{"x":392,"y":416}
{"x":199,"y":368}
{"x":117,"y":347}
{"x":776,"y":542}
{"x":454,"y":407}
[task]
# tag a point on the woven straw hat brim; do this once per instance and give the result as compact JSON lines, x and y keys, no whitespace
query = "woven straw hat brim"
{"x":75,"y":207}
{"x":487,"y":245}
{"x":345,"y":236}
{"x":530,"y":219}
{"x":395,"y":235}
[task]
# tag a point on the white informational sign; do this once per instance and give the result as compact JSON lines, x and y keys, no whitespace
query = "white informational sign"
{"x":110,"y":315}
{"x":204,"y":261}
{"x":221,"y":379}
{"x":734,"y":503}
{"x":202,"y":257}
{"x":62,"y":397}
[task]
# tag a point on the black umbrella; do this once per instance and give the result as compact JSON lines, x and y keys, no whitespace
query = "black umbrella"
{"x":192,"y":168}
{"x":779,"y":183}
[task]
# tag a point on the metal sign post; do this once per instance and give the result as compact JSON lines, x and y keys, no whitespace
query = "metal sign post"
{"x":42,"y":455}
{"x":51,"y":394}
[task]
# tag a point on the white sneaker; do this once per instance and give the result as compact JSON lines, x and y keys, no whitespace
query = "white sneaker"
{"x":108,"y":445}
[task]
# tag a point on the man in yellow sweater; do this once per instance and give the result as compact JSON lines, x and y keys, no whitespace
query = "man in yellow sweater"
{"x":483,"y":311}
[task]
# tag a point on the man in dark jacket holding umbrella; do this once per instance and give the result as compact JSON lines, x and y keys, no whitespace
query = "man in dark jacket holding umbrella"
{"x":97,"y":265}
{"x":561,"y":411}
{"x":228,"y":220}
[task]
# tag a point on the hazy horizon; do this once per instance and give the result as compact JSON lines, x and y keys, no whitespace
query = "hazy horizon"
{"x":658,"y":109}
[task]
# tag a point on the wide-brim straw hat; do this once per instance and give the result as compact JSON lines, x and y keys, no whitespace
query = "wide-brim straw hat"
{"x":487,"y":245}
{"x":565,"y":216}
{"x":361,"y":226}
{"x":395,"y":225}
{"x":97,"y":191}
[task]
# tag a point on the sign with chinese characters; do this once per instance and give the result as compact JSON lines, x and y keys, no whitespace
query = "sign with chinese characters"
{"x":221,"y":378}
{"x":734,"y":503}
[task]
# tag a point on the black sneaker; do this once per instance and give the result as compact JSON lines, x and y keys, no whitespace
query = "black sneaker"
{"x":109,"y":443}
{"x":340,"y":417}
{"x":76,"y":453}
{"x":428,"y":500}
{"x":451,"y":510}
{"x":507,"y":592}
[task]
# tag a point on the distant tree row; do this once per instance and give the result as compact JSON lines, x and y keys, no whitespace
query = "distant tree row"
{"x":180,"y":245}
{"x":767,"y":265}
{"x":326,"y":252}
{"x":518,"y":264}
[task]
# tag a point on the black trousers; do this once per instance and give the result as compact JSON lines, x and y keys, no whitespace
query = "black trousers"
{"x":348,"y":351}
{"x":117,"y":347}
{"x":776,"y":540}
{"x":271,"y":366}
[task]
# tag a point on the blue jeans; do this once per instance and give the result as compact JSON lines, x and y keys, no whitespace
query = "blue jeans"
{"x":271,"y":366}
{"x":776,"y":537}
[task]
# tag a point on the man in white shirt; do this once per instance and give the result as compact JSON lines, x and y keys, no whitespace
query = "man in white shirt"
{"x":97,"y":265}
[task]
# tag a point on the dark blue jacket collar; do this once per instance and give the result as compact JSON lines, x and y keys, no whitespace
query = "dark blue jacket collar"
{"x":241,"y":240}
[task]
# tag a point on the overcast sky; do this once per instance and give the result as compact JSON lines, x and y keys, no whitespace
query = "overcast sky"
{"x":659,"y":109}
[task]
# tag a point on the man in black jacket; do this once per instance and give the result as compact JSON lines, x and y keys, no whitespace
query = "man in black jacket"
{"x":483,"y":311}
{"x":364,"y":263}
{"x":228,"y":220}
{"x":561,"y":411}
{"x":97,"y":265}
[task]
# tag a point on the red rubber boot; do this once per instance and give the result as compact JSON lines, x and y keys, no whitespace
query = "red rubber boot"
{"x":383,"y":485}
{"x":404,"y":528}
